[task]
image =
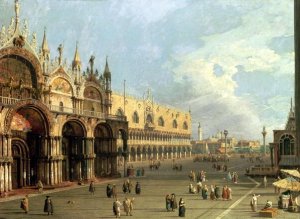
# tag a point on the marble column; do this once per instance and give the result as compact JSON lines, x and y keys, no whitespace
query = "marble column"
{"x":9,"y":177}
{"x":1,"y":178}
{"x":6,"y":188}
{"x":51,"y":173}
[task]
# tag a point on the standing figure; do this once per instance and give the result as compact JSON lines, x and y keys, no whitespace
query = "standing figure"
{"x":265,"y":181}
{"x":192,"y":189}
{"x":125,"y":188}
{"x":40,"y":186}
{"x":168,"y":202}
{"x":173,"y":202}
{"x":126,"y":205}
{"x":229,"y":177}
{"x":92,"y":188}
{"x":109,"y":190}
{"x":224,"y":193}
{"x":212,"y":192}
{"x":181,"y":208}
{"x":253,"y":202}
{"x":199,"y":186}
{"x":48,"y":206}
{"x":204,"y":192}
{"x":25,"y":204}
{"x":117,"y":208}
{"x":217,"y":192}
{"x":235,"y":177}
{"x":114,"y":191}
{"x":129,"y":185}
{"x":138,"y":188}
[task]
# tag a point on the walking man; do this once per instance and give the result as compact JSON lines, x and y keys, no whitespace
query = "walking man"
{"x":253,"y":202}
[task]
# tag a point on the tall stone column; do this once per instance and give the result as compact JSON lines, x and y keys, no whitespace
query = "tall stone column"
{"x":6,"y":177}
{"x":51,"y":173}
{"x":9,"y":177}
{"x":1,"y":178}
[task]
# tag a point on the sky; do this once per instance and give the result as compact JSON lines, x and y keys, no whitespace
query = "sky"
{"x":230,"y":61}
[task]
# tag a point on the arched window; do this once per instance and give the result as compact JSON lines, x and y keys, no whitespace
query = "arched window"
{"x":174,"y":124}
{"x":185,"y":126}
{"x":120,"y":112}
{"x":161,"y":121}
{"x":149,"y":119}
{"x":61,"y":106}
{"x":287,"y":145}
{"x":135,"y":117}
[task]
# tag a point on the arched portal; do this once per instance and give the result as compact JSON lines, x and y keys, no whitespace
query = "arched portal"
{"x":73,"y":165}
{"x":29,"y":128}
{"x":21,"y":163}
{"x":103,"y":148}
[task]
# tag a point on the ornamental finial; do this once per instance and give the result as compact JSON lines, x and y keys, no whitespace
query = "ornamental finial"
{"x":17,"y":11}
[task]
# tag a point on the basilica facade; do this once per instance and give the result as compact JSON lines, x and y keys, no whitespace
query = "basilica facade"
{"x":56,"y":120}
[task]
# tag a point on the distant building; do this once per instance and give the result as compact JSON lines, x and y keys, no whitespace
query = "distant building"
{"x":155,"y":131}
{"x":214,"y":144}
{"x":283,"y":148}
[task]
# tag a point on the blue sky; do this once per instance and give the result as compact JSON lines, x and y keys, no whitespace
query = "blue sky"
{"x":231,"y":61}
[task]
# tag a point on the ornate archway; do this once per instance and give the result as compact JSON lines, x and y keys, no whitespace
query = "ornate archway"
{"x":103,"y":148}
{"x":73,"y":150}
{"x":28,"y":126}
{"x":21,"y":164}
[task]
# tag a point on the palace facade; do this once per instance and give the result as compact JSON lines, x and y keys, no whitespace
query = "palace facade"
{"x":155,"y":131}
{"x":56,"y":120}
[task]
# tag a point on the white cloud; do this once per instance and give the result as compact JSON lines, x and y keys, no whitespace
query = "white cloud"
{"x":246,"y":46}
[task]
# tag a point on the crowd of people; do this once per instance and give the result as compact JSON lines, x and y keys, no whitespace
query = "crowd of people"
{"x":198,"y":184}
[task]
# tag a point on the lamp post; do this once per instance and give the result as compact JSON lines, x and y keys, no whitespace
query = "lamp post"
{"x":225,"y":134}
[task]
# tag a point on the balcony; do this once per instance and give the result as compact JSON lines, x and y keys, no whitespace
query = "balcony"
{"x":7,"y":101}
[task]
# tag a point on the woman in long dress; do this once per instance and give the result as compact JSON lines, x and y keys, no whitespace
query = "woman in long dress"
{"x":181,"y":208}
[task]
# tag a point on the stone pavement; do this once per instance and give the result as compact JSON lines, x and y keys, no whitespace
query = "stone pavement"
{"x":151,"y":203}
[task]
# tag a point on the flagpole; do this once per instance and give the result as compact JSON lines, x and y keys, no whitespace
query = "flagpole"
{"x":124,"y":152}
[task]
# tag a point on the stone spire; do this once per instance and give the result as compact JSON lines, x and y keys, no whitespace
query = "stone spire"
{"x":106,"y":73}
{"x":17,"y":11}
{"x":45,"y":47}
{"x":76,"y":64}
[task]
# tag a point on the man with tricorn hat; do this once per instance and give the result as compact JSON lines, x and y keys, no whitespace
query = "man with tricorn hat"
{"x":48,"y":206}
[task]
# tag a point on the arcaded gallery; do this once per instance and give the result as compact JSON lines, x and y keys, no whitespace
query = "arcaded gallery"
{"x":56,"y":121}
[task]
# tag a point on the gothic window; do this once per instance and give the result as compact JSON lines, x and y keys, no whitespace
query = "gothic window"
{"x":185,"y":126}
{"x":287,"y":145}
{"x":161,"y":122}
{"x":120,"y":112}
{"x":149,"y":119}
{"x":135,"y":117}
{"x":174,"y":124}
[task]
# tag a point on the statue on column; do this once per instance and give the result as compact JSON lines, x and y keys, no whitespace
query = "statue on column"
{"x":60,"y":51}
{"x":91,"y":61}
